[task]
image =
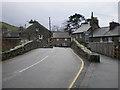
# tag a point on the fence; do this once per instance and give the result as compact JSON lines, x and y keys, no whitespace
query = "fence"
{"x":117,"y":50}
{"x":106,"y":48}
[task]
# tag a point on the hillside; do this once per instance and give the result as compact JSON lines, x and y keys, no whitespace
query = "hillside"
{"x":8,"y":26}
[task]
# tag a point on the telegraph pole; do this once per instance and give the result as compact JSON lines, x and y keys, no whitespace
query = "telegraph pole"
{"x":92,"y":21}
{"x":49,"y":23}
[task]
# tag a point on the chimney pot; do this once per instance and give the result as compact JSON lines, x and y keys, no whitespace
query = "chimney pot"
{"x":113,"y":25}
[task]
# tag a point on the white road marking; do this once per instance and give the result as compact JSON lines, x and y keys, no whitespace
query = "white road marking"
{"x":33,"y":64}
{"x":10,"y":77}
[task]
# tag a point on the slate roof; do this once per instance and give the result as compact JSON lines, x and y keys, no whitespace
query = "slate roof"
{"x":114,"y":32}
{"x":43,"y":30}
{"x":83,"y":28}
{"x":105,"y":31}
{"x":37,"y":25}
{"x":100,"y":31}
{"x":61,"y":35}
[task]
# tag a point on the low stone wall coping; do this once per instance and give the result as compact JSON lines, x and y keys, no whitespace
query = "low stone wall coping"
{"x":21,"y":49}
{"x":82,"y":50}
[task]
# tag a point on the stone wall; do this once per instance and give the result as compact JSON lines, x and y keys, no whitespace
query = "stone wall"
{"x":84,"y":52}
{"x":21,"y":49}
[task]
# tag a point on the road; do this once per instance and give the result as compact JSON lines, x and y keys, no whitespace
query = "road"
{"x":41,"y":68}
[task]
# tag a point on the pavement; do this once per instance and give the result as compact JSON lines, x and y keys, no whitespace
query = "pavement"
{"x":101,"y":75}
{"x":0,"y":76}
{"x":41,"y":68}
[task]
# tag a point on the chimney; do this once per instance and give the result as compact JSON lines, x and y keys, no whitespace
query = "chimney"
{"x":32,"y":21}
{"x":113,"y":25}
{"x":91,"y":15}
{"x":94,"y":21}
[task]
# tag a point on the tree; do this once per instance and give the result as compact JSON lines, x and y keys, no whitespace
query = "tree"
{"x":73,"y":22}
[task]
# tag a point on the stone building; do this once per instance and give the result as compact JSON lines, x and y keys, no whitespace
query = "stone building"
{"x":82,"y":33}
{"x":86,"y":29}
{"x":61,"y":39}
{"x":106,"y":40}
{"x":107,"y":34}
{"x":36,"y":31}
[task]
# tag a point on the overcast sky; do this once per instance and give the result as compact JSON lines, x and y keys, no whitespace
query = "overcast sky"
{"x":18,"y":13}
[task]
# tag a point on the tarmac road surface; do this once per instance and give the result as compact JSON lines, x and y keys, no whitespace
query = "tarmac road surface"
{"x":41,"y":68}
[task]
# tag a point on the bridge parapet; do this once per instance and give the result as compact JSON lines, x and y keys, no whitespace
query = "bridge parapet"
{"x":84,"y":52}
{"x":21,"y":49}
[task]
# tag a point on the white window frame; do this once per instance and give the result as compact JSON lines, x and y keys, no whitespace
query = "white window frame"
{"x":57,"y":39}
{"x":37,"y":29}
{"x":101,"y":40}
{"x":118,"y":39}
{"x":66,"y":39}
{"x":40,"y":37}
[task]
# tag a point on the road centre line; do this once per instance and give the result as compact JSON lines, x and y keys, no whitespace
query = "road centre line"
{"x":33,"y":64}
{"x":81,"y":68}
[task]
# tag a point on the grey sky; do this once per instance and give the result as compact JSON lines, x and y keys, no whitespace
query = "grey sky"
{"x":119,"y":12}
{"x":18,"y":13}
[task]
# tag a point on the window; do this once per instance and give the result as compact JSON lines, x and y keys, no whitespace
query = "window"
{"x":76,"y":36}
{"x":40,"y":36}
{"x":80,"y":36}
{"x":65,"y":39}
{"x":109,"y":39}
{"x":101,"y":40}
{"x":57,"y":39}
{"x":37,"y":29}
